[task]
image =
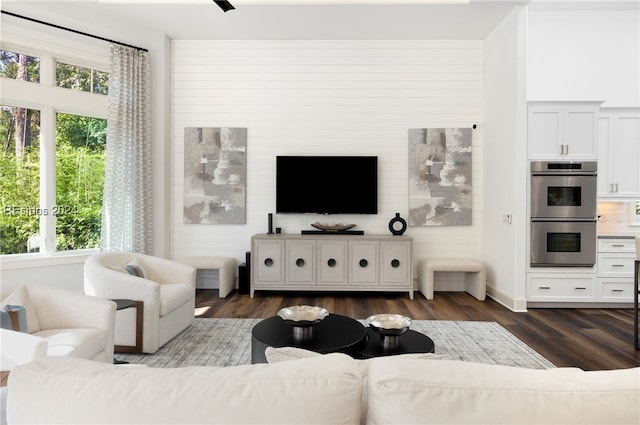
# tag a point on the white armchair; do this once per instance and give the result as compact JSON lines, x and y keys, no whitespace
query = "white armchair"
{"x":60,"y":323}
{"x":167,"y":291}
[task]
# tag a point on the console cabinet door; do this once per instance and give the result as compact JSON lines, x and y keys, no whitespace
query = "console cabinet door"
{"x":332,"y":262}
{"x":300,"y":262}
{"x":269,"y":264}
{"x":395,"y":263}
{"x":363,"y":267}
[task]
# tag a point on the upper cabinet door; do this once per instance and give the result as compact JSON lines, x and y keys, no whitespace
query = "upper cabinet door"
{"x":544,"y":130}
{"x":581,"y":131}
{"x":619,"y":148}
{"x":563,"y":130}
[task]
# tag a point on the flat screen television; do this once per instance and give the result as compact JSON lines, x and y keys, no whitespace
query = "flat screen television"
{"x":327,"y":184}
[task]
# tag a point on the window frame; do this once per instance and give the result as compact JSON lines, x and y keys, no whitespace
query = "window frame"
{"x":50,"y":100}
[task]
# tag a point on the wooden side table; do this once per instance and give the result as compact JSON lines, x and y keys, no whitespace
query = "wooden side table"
{"x":122,"y":304}
{"x":636,"y":294}
{"x":4,"y":378}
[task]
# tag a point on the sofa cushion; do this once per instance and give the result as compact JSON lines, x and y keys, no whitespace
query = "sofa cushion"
{"x":407,"y":391}
{"x":283,"y":354}
{"x":173,"y":296}
{"x":323,"y":390}
{"x":81,"y":343}
{"x":21,"y":297}
{"x":17,"y":348}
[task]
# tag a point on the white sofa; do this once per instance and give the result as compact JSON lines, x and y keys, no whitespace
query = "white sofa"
{"x":60,"y":323}
{"x":167,"y":290}
{"x":330,"y":389}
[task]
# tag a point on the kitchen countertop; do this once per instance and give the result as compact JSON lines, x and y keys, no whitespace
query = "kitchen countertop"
{"x":628,"y":235}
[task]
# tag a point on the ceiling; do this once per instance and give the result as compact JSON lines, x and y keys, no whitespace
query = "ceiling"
{"x":300,"y":19}
{"x":317,"y":20}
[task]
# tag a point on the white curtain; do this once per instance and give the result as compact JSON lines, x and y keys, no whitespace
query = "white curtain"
{"x":127,"y":207}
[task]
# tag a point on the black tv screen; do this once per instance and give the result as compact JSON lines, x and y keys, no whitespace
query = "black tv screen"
{"x":327,"y":184}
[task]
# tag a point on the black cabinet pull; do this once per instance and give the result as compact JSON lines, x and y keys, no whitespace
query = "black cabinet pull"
{"x":331,"y":262}
{"x":395,"y":263}
{"x":363,"y":263}
{"x":299,"y":262}
{"x":268,"y":262}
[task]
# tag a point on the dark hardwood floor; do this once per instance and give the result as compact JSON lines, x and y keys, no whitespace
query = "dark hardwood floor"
{"x":591,"y":339}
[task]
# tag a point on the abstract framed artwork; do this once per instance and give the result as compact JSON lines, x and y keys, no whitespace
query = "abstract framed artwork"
{"x":440,"y":187}
{"x":214,"y":175}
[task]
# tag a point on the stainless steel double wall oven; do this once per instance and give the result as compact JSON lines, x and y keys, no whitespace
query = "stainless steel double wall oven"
{"x":563,"y":214}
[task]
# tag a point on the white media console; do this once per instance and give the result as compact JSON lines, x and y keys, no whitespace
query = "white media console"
{"x":331,"y":262}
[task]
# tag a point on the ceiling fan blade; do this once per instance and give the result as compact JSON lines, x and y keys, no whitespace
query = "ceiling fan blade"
{"x":224,"y":5}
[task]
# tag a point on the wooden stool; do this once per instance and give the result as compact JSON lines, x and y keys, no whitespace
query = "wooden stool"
{"x":476,"y":284}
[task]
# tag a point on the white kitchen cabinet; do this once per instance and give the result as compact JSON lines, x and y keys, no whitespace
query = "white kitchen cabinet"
{"x":331,"y":263}
{"x":616,"y":258}
{"x":611,"y":283}
{"x":619,"y":153}
{"x":558,"y":287}
{"x":615,"y":290}
{"x":562,"y":130}
{"x":625,"y":245}
{"x":612,"y":264}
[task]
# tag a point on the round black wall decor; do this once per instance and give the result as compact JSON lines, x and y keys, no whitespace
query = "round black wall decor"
{"x":397,"y":225}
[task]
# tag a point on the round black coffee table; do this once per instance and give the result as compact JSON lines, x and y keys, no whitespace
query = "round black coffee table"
{"x":335,"y":334}
{"x":409,"y":342}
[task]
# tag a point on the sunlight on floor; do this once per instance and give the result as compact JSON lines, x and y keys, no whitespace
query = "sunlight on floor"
{"x":199,"y":311}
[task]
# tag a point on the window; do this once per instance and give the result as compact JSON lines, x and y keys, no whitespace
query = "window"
{"x":20,"y":180}
{"x":52,"y":161}
{"x":634,"y":213}
{"x":81,"y":78}
{"x":80,"y":145}
{"x":19,"y":66}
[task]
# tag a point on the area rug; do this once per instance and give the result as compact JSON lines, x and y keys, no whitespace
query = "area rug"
{"x":227,"y":342}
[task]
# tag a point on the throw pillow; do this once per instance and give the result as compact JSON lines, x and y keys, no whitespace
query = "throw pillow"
{"x":14,"y":318}
{"x":134,"y":268}
{"x":21,"y":297}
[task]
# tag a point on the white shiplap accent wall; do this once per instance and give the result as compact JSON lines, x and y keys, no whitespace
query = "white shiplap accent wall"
{"x":325,"y":97}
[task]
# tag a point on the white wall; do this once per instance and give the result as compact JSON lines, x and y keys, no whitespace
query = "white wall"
{"x":584,"y":55}
{"x":504,"y":243}
{"x":326,"y":97}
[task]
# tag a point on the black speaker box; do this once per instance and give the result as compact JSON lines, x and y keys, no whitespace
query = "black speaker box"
{"x":244,"y":276}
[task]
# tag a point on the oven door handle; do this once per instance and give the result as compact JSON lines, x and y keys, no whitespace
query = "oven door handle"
{"x":563,"y":220}
{"x":555,"y":173}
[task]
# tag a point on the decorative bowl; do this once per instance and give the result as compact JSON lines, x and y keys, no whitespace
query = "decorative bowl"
{"x":332,"y":227}
{"x":303,"y":315}
{"x":389,"y":324}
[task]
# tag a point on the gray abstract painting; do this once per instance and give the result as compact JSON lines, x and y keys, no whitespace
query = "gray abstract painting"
{"x":440,"y":177}
{"x":215,"y":175}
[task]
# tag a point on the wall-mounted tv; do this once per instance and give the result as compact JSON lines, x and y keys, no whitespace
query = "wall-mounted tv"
{"x":327,"y":184}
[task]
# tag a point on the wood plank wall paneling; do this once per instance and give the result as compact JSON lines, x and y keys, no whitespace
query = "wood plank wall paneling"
{"x":325,"y":97}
